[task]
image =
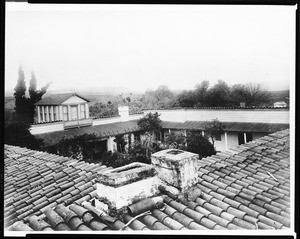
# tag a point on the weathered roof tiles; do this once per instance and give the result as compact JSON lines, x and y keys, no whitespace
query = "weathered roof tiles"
{"x":245,"y":188}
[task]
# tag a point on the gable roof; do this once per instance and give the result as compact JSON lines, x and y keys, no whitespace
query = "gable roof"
{"x":57,"y":99}
{"x":99,"y":130}
{"x":247,"y":187}
{"x":228,"y":126}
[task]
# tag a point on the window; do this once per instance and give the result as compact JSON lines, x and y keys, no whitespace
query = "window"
{"x":241,"y":137}
{"x":218,"y":137}
{"x":137,"y":137}
{"x":82,"y":111}
{"x":249,"y":137}
{"x":65,"y":112}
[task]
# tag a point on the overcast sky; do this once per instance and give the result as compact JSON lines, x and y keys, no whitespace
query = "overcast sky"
{"x":141,"y":47}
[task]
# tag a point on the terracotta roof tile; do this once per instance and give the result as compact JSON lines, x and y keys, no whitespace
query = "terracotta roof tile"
{"x":237,"y":191}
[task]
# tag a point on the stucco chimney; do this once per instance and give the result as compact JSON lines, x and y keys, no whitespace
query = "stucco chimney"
{"x":177,"y":168}
{"x":124,"y":113}
{"x":123,"y":186}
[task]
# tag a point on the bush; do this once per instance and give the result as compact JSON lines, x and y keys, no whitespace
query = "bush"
{"x":17,"y":133}
{"x":176,"y":140}
{"x":117,"y":159}
{"x":79,"y":147}
{"x":199,"y":144}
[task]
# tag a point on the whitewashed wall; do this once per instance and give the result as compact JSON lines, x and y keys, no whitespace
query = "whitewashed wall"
{"x":46,"y":128}
{"x":225,"y":115}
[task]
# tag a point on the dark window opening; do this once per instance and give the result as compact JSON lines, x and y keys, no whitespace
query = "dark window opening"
{"x":241,"y":138}
{"x":218,"y":137}
{"x":100,"y":149}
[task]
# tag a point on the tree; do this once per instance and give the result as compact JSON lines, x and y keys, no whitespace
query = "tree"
{"x":162,"y":97}
{"x":24,"y":107}
{"x":257,"y":96}
{"x":198,"y":144}
{"x":201,"y":93}
{"x":21,"y":101}
{"x":186,"y":98}
{"x":35,"y":95}
{"x":213,"y":129}
{"x":150,"y":122}
{"x":219,"y":95}
{"x":17,"y":133}
{"x":251,"y":94}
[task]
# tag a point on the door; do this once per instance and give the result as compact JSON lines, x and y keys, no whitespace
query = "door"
{"x":74,"y":112}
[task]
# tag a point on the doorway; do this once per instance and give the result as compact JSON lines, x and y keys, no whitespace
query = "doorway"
{"x":74,"y":113}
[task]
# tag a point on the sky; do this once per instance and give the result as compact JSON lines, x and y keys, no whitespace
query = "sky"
{"x":140,"y":47}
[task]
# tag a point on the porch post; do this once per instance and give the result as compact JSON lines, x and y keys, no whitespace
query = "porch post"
{"x":56,"y":109}
{"x":43,"y":113}
{"x":38,"y":114}
{"x":69,"y":112}
{"x":226,"y":146}
{"x":47,"y":113}
{"x":52,"y":115}
{"x":87,"y":113}
{"x":61,"y":112}
{"x":245,"y":138}
{"x":78,"y":112}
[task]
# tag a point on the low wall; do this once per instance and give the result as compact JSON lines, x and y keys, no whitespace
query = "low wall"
{"x":46,"y":128}
{"x":259,"y":115}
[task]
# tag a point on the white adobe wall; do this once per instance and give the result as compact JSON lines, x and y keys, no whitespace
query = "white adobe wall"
{"x":225,"y":115}
{"x":106,"y":120}
{"x":46,"y":128}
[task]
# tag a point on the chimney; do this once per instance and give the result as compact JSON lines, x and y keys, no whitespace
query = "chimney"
{"x":123,"y":186}
{"x":176,"y":168}
{"x":134,"y":188}
{"x":124,"y":113}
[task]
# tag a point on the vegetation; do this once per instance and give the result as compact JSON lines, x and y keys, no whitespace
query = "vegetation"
{"x":17,"y":133}
{"x":78,"y":147}
{"x":198,"y":144}
{"x":24,"y":107}
{"x":213,"y":129}
{"x":221,"y":95}
{"x":150,"y":122}
{"x":175,"y":140}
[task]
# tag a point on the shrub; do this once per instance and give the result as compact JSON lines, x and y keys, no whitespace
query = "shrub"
{"x":79,"y":147}
{"x":17,"y":133}
{"x":199,"y":144}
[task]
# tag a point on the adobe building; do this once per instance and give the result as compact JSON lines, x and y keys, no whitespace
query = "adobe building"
{"x":67,"y":115}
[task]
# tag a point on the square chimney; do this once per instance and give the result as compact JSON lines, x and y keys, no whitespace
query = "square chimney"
{"x":123,"y":186}
{"x":177,"y":168}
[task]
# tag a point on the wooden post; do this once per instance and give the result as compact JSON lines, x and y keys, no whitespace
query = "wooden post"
{"x":38,"y":114}
{"x":226,"y":146}
{"x":43,"y":113}
{"x":245,"y":138}
{"x":56,"y":110}
{"x":69,"y":112}
{"x":61,"y":112}
{"x":52,"y":114}
{"x":87,"y":113}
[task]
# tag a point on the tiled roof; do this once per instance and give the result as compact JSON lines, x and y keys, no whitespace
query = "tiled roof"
{"x":57,"y":99}
{"x":247,"y":187}
{"x":228,"y":126}
{"x":99,"y":130}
